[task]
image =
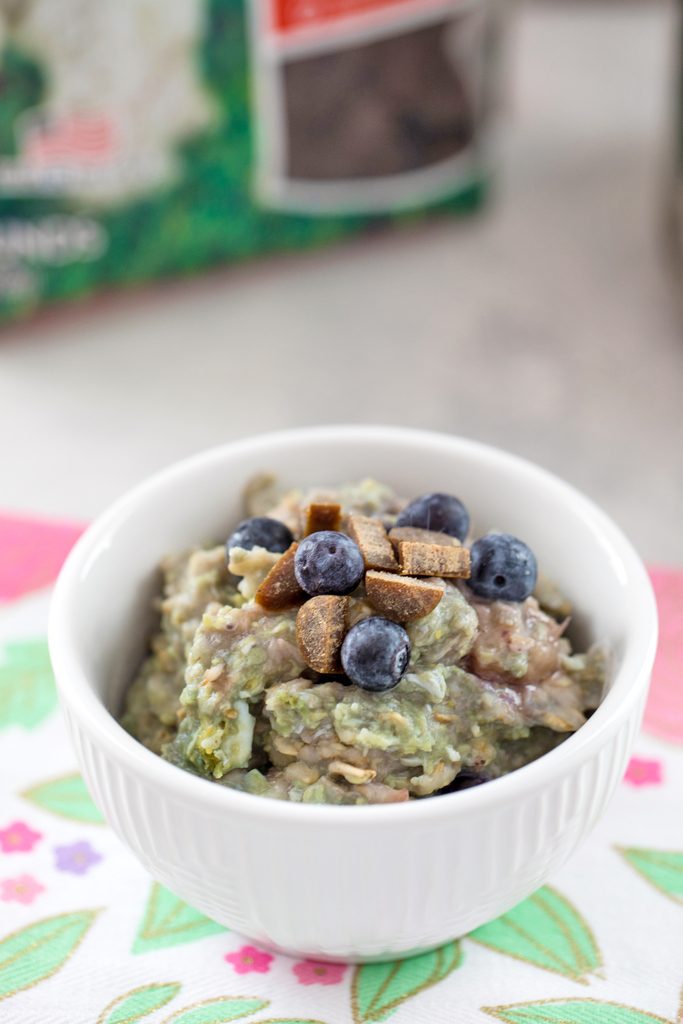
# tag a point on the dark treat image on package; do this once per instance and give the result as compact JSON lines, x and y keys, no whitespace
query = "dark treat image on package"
{"x":381,"y":108}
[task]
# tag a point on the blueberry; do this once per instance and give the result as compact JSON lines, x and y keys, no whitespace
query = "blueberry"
{"x":503,"y":568}
{"x":327,"y":562}
{"x":261,"y":532}
{"x":375,"y":653}
{"x":440,"y":512}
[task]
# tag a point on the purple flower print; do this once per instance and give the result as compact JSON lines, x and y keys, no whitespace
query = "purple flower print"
{"x":77,"y":858}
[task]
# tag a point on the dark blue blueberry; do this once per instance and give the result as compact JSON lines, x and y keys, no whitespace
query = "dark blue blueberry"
{"x":441,"y":512}
{"x":465,"y":779}
{"x":503,"y":568}
{"x":327,"y":562}
{"x":375,"y":653}
{"x":261,"y":532}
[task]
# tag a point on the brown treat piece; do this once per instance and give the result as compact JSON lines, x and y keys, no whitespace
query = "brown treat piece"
{"x":415,"y":533}
{"x":280,"y":589}
{"x":433,"y":560}
{"x":400,"y":597}
{"x":322,"y":515}
{"x":371,"y":537}
{"x":320,"y":629}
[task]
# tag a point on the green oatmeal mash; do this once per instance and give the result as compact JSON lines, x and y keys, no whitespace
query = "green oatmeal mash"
{"x":348,"y":647}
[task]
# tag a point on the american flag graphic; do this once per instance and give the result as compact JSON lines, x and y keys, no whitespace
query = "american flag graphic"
{"x":72,"y":139}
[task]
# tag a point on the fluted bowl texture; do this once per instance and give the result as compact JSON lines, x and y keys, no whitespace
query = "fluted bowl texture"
{"x":347,"y":883}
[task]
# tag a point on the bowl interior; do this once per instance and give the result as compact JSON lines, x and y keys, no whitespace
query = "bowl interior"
{"x":115,"y":565}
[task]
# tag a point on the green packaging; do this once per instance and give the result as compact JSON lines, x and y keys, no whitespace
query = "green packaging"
{"x":157,"y":138}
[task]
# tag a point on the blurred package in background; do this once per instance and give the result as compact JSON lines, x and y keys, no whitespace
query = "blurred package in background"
{"x":156,"y":137}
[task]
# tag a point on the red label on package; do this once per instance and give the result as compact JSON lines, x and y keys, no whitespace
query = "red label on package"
{"x":292,"y":14}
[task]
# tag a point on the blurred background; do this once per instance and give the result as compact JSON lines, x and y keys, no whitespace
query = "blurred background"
{"x":542,"y":314}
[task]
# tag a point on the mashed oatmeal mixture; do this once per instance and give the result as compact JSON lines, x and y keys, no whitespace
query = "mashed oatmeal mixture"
{"x":348,"y":647}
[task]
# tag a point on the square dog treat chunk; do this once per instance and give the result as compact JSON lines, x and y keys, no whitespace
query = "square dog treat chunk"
{"x":322,"y":515}
{"x":415,"y":533}
{"x":419,"y":559}
{"x":371,"y":537}
{"x":320,"y":628}
{"x":280,"y":589}
{"x":400,"y":597}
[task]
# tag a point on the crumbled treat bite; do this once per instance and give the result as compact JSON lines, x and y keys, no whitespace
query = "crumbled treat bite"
{"x":371,"y":537}
{"x":353,"y":775}
{"x":320,"y":627}
{"x":253,"y":565}
{"x":280,"y":589}
{"x":419,"y":559}
{"x":322,"y":515}
{"x":402,"y":598}
{"x":420,"y":536}
{"x":551,"y":599}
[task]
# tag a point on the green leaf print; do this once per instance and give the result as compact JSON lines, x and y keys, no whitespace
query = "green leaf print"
{"x":66,"y":797}
{"x":27,"y":689}
{"x":138,"y":1003}
{"x":377,"y":990}
{"x":167,"y":921}
{"x":39,"y":950}
{"x":663,"y":869}
{"x":572,"y":1011}
{"x":546,"y":931}
{"x":218,"y":1011}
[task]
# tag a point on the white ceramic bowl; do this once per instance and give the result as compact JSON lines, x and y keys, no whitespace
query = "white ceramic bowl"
{"x":350,"y":883}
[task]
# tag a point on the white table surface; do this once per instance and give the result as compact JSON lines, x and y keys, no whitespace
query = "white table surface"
{"x":549,"y":326}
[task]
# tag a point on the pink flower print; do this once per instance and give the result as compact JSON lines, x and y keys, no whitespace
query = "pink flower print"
{"x":314,"y":972}
{"x":23,"y":889}
{"x":76,"y":858}
{"x":664,"y":708}
{"x":643,"y":772}
{"x":249,"y":959}
{"x":18,"y":838}
{"x":36,"y":549}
